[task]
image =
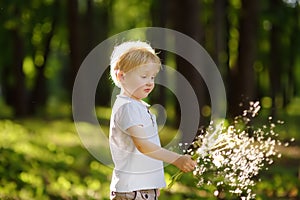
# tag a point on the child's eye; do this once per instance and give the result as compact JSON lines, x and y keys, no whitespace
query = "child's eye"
{"x":144,"y":76}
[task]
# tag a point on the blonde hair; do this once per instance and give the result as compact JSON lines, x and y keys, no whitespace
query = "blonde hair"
{"x":130,"y":55}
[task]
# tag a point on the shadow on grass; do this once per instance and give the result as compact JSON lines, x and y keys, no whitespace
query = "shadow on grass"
{"x":46,"y":160}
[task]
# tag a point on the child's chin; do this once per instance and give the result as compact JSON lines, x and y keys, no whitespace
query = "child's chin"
{"x":144,"y":96}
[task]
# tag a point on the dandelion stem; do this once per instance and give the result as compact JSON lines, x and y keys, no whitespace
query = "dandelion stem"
{"x":174,"y":178}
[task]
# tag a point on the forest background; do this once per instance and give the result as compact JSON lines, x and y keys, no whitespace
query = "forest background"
{"x":255,"y":45}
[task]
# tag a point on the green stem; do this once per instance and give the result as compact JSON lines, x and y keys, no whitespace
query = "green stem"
{"x":179,"y":173}
{"x":174,"y":178}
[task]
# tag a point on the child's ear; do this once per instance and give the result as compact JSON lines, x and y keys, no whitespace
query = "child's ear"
{"x":120,"y":76}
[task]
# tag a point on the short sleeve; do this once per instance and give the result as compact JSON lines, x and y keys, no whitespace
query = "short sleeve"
{"x":128,"y":115}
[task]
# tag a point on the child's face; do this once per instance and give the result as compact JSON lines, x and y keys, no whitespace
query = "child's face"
{"x":139,"y":82}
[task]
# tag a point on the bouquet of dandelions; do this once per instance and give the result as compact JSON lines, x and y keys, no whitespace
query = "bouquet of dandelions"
{"x":229,"y":158}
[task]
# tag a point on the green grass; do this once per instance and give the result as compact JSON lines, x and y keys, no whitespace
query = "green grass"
{"x":44,"y":159}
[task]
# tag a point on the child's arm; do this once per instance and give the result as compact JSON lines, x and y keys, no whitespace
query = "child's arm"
{"x":183,"y":162}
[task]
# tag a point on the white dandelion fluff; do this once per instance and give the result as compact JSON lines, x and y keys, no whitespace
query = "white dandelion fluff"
{"x":231,"y":157}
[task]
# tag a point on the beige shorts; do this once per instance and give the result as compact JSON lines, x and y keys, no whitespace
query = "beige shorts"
{"x":136,"y":195}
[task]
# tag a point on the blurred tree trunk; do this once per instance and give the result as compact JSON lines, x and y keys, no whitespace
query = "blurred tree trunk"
{"x":295,"y":42}
{"x":275,"y":56}
{"x":76,"y":59}
{"x":100,"y":27}
{"x":19,"y":92}
{"x":19,"y":87}
{"x":220,"y":54}
{"x":40,"y":93}
{"x":87,"y":28}
{"x":243,"y":77}
{"x":74,"y":40}
{"x":159,"y":13}
{"x":185,"y":19}
{"x":85,"y":31}
{"x":294,"y":49}
{"x":221,"y":32}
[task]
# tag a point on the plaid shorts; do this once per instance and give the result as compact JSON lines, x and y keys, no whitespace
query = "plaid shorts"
{"x":135,"y":195}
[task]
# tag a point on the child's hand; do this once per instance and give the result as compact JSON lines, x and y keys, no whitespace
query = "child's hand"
{"x":185,"y":163}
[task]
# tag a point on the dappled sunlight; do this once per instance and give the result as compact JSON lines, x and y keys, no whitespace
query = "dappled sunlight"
{"x":294,"y":107}
{"x":55,"y":75}
{"x":47,"y":160}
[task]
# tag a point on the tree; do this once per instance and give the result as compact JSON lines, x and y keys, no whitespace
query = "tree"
{"x":221,"y":38}
{"x":242,"y":75}
{"x":221,"y":29}
{"x":19,"y":96}
{"x":159,"y":13}
{"x":185,"y":19}
{"x":31,"y":27}
{"x":39,"y":93}
{"x":14,"y":86}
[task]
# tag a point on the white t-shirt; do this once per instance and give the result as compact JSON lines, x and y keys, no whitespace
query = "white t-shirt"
{"x":133,"y":170}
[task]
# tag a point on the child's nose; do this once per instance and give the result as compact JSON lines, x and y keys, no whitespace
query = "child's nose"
{"x":150,"y":82}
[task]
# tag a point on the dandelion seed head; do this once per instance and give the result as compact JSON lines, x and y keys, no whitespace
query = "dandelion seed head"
{"x":270,"y":118}
{"x":279,"y":156}
{"x":216,"y":193}
{"x":280,"y":122}
{"x":286,"y":144}
{"x":232,"y":156}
